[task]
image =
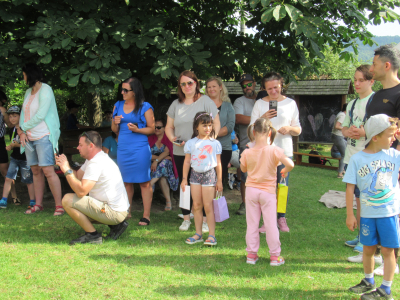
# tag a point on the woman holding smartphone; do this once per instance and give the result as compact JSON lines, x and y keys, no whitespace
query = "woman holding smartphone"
{"x":179,"y":128}
{"x":284,"y":115}
{"x":133,"y":120}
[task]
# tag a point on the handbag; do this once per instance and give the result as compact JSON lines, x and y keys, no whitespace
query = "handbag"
{"x":281,"y":197}
{"x":221,"y":212}
{"x":184,"y":198}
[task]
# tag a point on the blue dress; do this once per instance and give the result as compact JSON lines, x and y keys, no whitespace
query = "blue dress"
{"x":133,"y":155}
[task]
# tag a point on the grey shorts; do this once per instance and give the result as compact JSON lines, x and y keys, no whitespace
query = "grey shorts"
{"x":92,"y":208}
{"x":208,"y":178}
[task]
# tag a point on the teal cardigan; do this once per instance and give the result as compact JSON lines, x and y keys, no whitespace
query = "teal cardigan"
{"x":47,"y":111}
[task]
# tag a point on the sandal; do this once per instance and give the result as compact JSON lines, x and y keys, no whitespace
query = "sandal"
{"x":192,"y":240}
{"x":59,"y":211}
{"x":168,"y":207}
{"x":144,"y":220}
{"x":16,"y":201}
{"x":209,"y":242}
{"x":35,"y":209}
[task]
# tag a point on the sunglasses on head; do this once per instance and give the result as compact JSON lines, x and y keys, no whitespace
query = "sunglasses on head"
{"x":189,"y":83}
{"x":84,"y":134}
{"x":125,"y":91}
{"x":159,"y":127}
{"x":250,"y":84}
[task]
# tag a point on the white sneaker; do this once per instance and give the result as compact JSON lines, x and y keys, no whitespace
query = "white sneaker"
{"x":181,"y":216}
{"x":205,"y":227}
{"x":359,"y":259}
{"x":379,"y":270}
{"x":185,"y":225}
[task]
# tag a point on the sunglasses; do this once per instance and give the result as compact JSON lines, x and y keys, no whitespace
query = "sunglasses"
{"x":159,"y":127}
{"x":84,"y":134}
{"x":189,"y":83}
{"x":125,"y":91}
{"x":250,"y":84}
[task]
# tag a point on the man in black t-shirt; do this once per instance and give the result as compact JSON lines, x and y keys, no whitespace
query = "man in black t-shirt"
{"x":384,"y":69}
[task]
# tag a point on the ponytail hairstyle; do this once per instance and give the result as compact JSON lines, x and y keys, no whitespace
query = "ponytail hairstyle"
{"x":203,"y":117}
{"x":261,"y":126}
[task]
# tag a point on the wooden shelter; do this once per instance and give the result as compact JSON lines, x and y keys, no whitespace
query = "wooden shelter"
{"x":319,"y":101}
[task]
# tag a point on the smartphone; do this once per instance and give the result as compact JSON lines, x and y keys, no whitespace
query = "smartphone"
{"x":273,"y":104}
{"x":177,"y":142}
{"x":137,"y":125}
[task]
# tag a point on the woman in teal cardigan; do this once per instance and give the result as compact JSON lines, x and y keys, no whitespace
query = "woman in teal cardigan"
{"x":39,"y":132}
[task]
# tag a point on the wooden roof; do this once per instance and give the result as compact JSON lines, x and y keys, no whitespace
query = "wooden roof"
{"x":321,"y":87}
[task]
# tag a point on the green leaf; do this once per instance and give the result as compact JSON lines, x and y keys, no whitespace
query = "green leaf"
{"x":98,"y":64}
{"x":74,"y":81}
{"x":166,"y":73}
{"x":74,"y":71}
{"x":46,"y":59}
{"x":125,"y":44}
{"x":85,"y":77}
{"x":65,"y":42}
{"x":315,"y":47}
{"x":94,"y":77}
{"x":188,"y":64}
{"x":267,"y":15}
{"x":265,"y":3}
{"x":293,"y":12}
{"x":279,"y":12}
{"x":93,"y":62}
{"x":253,"y":3}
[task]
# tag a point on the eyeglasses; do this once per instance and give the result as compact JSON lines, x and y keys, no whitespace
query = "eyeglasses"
{"x":189,"y":83}
{"x":125,"y":91}
{"x":84,"y":134}
{"x":159,"y":127}
{"x":250,"y":84}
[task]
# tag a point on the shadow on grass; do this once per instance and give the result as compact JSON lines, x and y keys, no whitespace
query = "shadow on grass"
{"x":228,"y":264}
{"x":268,"y":292}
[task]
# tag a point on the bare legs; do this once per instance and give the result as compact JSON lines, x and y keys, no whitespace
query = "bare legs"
{"x":164,"y":189}
{"x":202,"y":197}
{"x":147,"y":196}
{"x":38,"y":182}
{"x":3,"y":171}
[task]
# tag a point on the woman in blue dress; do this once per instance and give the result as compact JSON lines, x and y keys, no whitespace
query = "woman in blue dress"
{"x":133,"y":119}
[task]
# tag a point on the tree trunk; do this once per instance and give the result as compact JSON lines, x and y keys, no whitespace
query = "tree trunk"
{"x":95,"y":116}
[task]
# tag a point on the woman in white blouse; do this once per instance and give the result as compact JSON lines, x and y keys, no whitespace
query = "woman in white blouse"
{"x":285,"y":120}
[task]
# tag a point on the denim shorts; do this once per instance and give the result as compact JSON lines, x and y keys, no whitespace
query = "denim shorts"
{"x":26,"y":172}
{"x":208,"y":178}
{"x":380,"y":230}
{"x":42,"y":154}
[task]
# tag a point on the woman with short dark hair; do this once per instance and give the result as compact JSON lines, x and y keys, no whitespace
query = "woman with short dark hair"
{"x":133,"y":120}
{"x":39,"y":130}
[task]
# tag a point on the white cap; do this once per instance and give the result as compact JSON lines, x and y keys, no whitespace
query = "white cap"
{"x":375,"y":125}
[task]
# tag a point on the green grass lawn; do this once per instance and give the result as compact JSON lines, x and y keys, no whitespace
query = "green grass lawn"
{"x":155,"y":263}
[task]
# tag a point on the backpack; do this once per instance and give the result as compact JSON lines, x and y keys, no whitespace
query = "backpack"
{"x":317,"y":160}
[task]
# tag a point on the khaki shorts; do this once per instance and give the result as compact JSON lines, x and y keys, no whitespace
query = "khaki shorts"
{"x":91,"y":208}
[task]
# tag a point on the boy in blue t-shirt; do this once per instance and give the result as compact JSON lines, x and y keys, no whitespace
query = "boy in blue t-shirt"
{"x":375,"y":170}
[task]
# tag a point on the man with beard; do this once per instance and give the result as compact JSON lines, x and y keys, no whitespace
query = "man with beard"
{"x":243,"y":107}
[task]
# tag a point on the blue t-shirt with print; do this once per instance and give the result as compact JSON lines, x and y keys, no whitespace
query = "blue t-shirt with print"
{"x":376,"y":175}
{"x":203,"y":153}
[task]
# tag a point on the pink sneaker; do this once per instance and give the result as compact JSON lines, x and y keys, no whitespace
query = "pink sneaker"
{"x":277,"y":261}
{"x":283,"y":225}
{"x":252,"y":258}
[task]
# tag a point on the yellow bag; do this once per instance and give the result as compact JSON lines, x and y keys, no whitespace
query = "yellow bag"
{"x":281,"y":197}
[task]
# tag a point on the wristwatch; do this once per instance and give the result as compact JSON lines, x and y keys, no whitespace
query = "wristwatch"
{"x":157,"y":160}
{"x":68,"y":172}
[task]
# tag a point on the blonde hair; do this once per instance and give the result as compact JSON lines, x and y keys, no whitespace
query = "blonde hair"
{"x":223,"y":93}
{"x":262,"y":126}
{"x":393,"y":125}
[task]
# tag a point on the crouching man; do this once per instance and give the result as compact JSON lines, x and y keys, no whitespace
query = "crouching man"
{"x":99,"y":177}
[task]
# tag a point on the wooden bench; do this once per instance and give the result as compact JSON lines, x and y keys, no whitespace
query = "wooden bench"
{"x":299,"y":162}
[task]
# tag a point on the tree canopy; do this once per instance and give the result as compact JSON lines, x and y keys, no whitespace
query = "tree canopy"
{"x":94,"y":44}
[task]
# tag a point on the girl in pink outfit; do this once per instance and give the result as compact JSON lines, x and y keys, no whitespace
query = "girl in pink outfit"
{"x":260,"y":162}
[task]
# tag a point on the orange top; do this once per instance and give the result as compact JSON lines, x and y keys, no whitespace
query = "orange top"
{"x":261,"y":166}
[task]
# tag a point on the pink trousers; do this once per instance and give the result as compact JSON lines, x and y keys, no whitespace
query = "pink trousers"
{"x":257,"y":202}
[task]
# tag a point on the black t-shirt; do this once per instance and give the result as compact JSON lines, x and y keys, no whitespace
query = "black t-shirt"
{"x":261,"y":94}
{"x":71,"y":122}
{"x":16,"y":151}
{"x":386,"y":101}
